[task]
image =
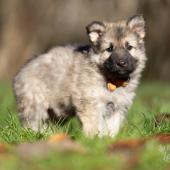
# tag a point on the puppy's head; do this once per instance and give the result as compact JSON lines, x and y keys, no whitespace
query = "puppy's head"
{"x":118,"y":47}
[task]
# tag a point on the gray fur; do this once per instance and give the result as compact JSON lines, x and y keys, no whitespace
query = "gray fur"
{"x":66,"y":77}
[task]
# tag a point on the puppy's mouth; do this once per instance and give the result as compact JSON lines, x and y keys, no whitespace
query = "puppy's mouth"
{"x":115,"y":80}
{"x":115,"y":74}
{"x":119,"y":81}
{"x":122,"y":76}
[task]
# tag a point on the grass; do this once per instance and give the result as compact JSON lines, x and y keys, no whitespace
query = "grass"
{"x":151,"y":100}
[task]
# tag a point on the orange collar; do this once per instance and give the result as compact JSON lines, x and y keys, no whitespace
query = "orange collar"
{"x":113,"y":85}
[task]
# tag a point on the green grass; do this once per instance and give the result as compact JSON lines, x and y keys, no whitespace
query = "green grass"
{"x":151,"y":100}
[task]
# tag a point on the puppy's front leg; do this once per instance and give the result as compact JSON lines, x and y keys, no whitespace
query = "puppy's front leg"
{"x":113,"y":119}
{"x":89,"y":124}
{"x":92,"y":119}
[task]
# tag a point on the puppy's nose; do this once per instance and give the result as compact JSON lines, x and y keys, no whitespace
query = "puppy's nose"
{"x":122,"y":63}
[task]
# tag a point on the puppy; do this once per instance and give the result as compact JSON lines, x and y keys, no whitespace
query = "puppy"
{"x":78,"y":80}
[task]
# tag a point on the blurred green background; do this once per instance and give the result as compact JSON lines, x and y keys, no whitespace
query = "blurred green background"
{"x":33,"y":26}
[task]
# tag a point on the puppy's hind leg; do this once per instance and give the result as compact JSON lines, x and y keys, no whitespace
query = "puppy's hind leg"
{"x":32,"y":112}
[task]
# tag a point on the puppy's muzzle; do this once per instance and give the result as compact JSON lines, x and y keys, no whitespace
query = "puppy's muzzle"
{"x":121,"y":64}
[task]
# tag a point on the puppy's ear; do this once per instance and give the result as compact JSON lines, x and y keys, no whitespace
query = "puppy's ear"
{"x":137,"y":24}
{"x":95,"y":30}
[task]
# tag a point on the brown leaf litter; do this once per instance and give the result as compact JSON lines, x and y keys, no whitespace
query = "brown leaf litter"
{"x":57,"y":143}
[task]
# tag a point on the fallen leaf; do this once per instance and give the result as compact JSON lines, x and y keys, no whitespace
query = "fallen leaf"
{"x":58,"y":137}
{"x":58,"y":143}
{"x":128,"y":151}
{"x":3,"y":148}
{"x":126,"y":145}
{"x":163,"y":138}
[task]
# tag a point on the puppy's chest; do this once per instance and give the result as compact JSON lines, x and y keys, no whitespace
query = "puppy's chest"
{"x":120,"y":97}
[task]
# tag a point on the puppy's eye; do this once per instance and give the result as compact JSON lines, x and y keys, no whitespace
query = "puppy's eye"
{"x":110,"y":49}
{"x":129,"y":47}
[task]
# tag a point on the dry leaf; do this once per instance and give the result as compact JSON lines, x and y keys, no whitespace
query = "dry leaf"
{"x":3,"y":148}
{"x":124,"y":145}
{"x":163,"y":138}
{"x":58,"y":137}
{"x":57,"y":143}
